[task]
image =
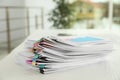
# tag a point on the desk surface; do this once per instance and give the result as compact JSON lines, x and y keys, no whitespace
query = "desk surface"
{"x":105,"y":70}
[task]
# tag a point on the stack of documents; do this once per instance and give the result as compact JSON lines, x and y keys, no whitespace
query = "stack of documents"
{"x":53,"y":54}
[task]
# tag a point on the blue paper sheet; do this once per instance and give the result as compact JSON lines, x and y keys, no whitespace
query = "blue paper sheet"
{"x":84,"y":39}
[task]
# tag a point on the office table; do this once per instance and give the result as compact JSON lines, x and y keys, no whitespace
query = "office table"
{"x":104,"y":70}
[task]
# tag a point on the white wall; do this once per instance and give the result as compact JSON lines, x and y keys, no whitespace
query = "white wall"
{"x":12,"y":2}
{"x":13,"y":13}
{"x":48,"y":5}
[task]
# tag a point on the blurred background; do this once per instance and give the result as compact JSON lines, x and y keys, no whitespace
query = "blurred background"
{"x":20,"y":18}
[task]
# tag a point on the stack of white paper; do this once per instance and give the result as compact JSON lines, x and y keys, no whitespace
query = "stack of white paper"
{"x":52,"y":54}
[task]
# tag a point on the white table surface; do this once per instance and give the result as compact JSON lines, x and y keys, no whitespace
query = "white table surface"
{"x":105,"y":70}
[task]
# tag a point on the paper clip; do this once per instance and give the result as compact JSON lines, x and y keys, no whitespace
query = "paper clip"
{"x":34,"y":59}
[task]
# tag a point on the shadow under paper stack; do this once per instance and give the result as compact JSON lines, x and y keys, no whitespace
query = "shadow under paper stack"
{"x":52,"y":54}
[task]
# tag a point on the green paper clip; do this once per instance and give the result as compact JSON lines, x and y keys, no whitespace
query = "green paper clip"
{"x":42,"y":66}
{"x":36,"y":56}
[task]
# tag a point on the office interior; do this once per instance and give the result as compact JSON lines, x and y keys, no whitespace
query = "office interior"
{"x":21,"y":18}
